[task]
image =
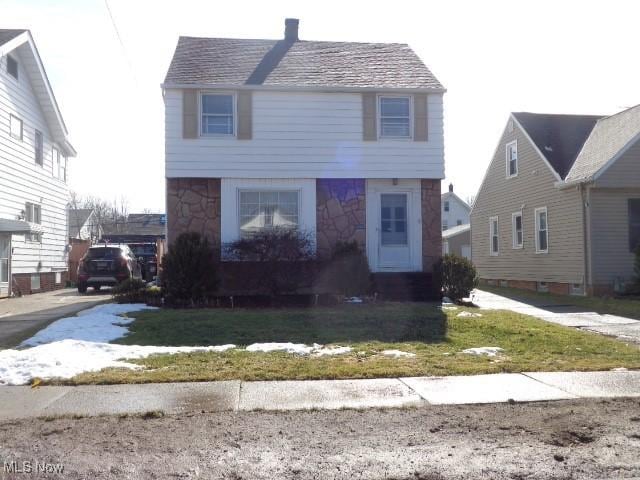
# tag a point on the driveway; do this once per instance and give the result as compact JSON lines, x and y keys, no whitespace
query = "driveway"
{"x":625,"y":329}
{"x":22,"y":317}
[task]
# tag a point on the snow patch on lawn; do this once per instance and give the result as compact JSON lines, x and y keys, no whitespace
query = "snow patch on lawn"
{"x":469,"y":314}
{"x":488,"y":351}
{"x":397,"y":353}
{"x":297,"y":348}
{"x":70,"y":357}
{"x":101,"y":323}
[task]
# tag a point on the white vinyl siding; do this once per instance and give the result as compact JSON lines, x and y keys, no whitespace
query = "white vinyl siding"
{"x":516,"y":230}
{"x":394,"y":117}
{"x":542,"y":230}
{"x":512,"y":159}
{"x":494,"y":236}
{"x":302,"y":135}
{"x":22,"y":180}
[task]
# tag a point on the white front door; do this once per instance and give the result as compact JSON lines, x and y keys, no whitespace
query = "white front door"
{"x":5,"y":252}
{"x":394,"y":229}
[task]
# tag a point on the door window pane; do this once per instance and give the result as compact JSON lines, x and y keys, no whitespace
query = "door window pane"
{"x":393,"y":214}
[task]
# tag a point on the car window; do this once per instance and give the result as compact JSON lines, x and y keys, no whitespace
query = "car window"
{"x":104,"y":252}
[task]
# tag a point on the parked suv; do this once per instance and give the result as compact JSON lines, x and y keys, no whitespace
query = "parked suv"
{"x":107,"y":264}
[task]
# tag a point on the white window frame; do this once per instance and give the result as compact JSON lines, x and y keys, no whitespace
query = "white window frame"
{"x":234,"y":101}
{"x":38,"y":149}
{"x":30,"y":216}
{"x":493,"y":233}
{"x":16,"y":77}
{"x":446,"y":206}
{"x":62,"y":168}
{"x":264,"y":190}
{"x":509,"y":146}
{"x":13,"y":118}
{"x":537,"y":224}
{"x":514,"y":232}
{"x":379,"y":117}
{"x":55,"y":161}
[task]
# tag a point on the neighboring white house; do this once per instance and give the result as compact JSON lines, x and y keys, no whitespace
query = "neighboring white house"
{"x":33,"y":170}
{"x":455,"y":211}
{"x":457,"y":240}
{"x":340,"y":139}
{"x":84,"y":225}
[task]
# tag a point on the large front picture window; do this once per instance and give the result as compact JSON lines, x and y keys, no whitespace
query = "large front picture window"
{"x":267,"y":210}
{"x":217,"y":114}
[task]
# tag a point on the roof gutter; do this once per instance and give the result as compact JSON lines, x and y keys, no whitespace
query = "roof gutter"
{"x":288,"y":88}
{"x":563,"y":185}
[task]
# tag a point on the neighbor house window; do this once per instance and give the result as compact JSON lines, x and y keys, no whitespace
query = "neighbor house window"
{"x":445,"y":225}
{"x":446,"y":205}
{"x":15,"y":127}
{"x":33,"y":214}
{"x":512,"y":159}
{"x":542,"y":230}
{"x":267,"y":210}
{"x":63,"y":168}
{"x":634,"y":223}
{"x":39,"y":147}
{"x":395,"y":117}
{"x":12,"y":67}
{"x":494,"y":247}
{"x":55,"y":162}
{"x":516,"y":229}
{"x":217,"y":114}
{"x":458,"y":222}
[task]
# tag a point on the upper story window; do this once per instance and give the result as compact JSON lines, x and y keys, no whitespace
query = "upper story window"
{"x":12,"y":67}
{"x":15,"y":127}
{"x":542,"y":230}
{"x":217,"y":114}
{"x":267,"y":210}
{"x":634,"y":223}
{"x":55,"y":162}
{"x":516,"y":230}
{"x":395,"y":117}
{"x":494,"y":240}
{"x":512,"y":159}
{"x":446,"y":205}
{"x":63,"y":168}
{"x":33,"y":214}
{"x":39,"y":147}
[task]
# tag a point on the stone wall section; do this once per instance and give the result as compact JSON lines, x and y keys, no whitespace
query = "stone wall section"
{"x":431,"y":224}
{"x":341,"y":213}
{"x":194,"y":205}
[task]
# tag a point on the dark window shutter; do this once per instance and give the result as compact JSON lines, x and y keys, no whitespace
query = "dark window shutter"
{"x":369,"y":120}
{"x":245,"y":114}
{"x":420,"y":120}
{"x":189,"y":113}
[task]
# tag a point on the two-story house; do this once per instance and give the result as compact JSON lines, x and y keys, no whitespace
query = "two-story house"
{"x":342,"y":140}
{"x":34,"y":149}
{"x":455,"y":211}
{"x":559,"y":207}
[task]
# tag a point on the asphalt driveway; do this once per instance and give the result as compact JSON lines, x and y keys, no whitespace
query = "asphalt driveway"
{"x":23,"y":316}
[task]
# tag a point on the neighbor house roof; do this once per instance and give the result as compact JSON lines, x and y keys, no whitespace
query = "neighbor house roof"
{"x":22,"y":42}
{"x":558,"y":137}
{"x":77,"y":218}
{"x":457,"y":230}
{"x":138,"y":224}
{"x":447,"y":195}
{"x":281,"y":63}
{"x":609,"y":137}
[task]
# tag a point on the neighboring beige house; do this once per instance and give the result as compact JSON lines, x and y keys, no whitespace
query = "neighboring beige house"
{"x":457,"y":241}
{"x":341,"y":140}
{"x":559,"y":207}
{"x":455,"y":211}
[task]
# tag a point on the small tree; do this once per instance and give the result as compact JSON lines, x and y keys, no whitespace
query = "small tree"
{"x":348,"y":270}
{"x":277,"y":254}
{"x":189,"y":271}
{"x":457,"y":275}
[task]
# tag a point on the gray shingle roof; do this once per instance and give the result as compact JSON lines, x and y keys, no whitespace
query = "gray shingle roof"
{"x":7,"y":34}
{"x":609,"y":136}
{"x":457,"y":230}
{"x":558,"y":137}
{"x":235,"y":62}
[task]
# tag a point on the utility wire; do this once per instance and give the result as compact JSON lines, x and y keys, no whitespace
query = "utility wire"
{"x":124,"y":49}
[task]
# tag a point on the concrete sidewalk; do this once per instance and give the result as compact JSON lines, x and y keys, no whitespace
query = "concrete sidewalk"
{"x":625,"y":329}
{"x":23,"y":316}
{"x":173,"y":398}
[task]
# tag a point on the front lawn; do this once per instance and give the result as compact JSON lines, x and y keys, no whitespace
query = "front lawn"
{"x":622,"y":306}
{"x":529,"y":344}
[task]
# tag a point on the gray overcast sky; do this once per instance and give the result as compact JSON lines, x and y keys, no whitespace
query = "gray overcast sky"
{"x":494,"y":57}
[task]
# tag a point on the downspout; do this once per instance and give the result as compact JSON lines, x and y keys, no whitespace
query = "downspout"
{"x":585,"y":197}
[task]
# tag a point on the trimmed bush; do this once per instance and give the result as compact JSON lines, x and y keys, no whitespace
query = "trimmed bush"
{"x":277,"y":256}
{"x":456,"y":275}
{"x":347,"y":272}
{"x":189,"y":271}
{"x":134,"y":290}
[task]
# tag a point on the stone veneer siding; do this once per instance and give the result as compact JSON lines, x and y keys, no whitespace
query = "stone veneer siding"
{"x":341,"y":213}
{"x":431,"y":223}
{"x":193,"y":205}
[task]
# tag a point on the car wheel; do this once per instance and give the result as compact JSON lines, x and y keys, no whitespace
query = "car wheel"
{"x":96,"y":288}
{"x":82,"y":288}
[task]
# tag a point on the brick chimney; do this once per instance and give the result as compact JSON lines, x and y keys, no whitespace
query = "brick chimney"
{"x":291,"y":29}
{"x":451,"y":187}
